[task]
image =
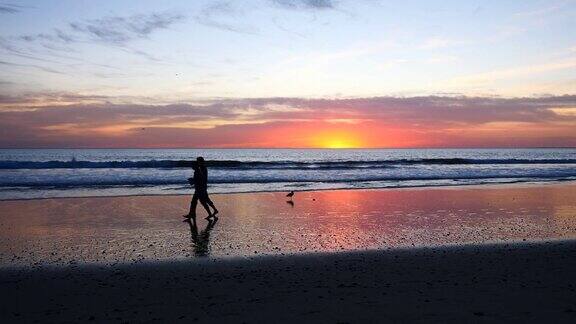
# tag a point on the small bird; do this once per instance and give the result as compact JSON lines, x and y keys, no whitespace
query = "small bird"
{"x":290,"y":195}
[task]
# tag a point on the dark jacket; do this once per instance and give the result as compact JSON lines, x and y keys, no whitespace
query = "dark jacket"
{"x":200,"y":177}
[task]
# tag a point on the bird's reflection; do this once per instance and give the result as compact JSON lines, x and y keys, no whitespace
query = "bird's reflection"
{"x":201,"y":241}
{"x":291,"y":203}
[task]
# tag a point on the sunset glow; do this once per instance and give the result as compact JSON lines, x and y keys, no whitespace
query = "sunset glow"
{"x":290,"y":73}
{"x":339,"y":144}
{"x":337,"y":140}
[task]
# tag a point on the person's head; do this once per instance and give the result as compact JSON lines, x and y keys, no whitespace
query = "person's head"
{"x":200,"y":160}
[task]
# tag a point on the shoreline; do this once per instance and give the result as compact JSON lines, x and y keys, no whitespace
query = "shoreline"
{"x":520,"y":184}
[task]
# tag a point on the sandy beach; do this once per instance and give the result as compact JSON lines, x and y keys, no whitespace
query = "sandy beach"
{"x":530,"y":283}
{"x":467,"y":254}
{"x":368,"y":161}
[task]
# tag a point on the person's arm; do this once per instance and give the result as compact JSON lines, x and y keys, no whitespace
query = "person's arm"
{"x":194,"y":179}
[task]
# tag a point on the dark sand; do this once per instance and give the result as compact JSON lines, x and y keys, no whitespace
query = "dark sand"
{"x":506,"y":283}
{"x":483,"y":254}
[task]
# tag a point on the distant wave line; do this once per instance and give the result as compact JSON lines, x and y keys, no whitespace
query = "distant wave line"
{"x":160,"y":182}
{"x":232,"y":164}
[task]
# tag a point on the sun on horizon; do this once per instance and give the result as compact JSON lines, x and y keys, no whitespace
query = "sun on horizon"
{"x":340,"y":144}
{"x":338,"y":141}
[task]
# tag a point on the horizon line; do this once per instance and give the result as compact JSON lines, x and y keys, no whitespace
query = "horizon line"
{"x":290,"y":148}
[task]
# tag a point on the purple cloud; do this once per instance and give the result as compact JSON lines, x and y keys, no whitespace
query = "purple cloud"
{"x":241,"y":122}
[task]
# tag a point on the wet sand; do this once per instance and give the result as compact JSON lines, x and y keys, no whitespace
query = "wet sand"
{"x":473,"y":254}
{"x":113,"y":230}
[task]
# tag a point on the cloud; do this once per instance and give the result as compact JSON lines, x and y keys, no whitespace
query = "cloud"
{"x":114,"y":30}
{"x":121,"y":30}
{"x":34,"y":66}
{"x":8,"y":8}
{"x":58,"y":36}
{"x":306,"y":4}
{"x":432,"y":120}
{"x":565,"y":111}
{"x":206,"y":21}
{"x":221,"y":15}
{"x":515,"y":72}
{"x":31,"y":101}
{"x":57,"y":46}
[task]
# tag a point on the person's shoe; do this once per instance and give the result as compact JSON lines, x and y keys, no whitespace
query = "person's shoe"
{"x":189,"y":216}
{"x":215,"y":212}
{"x":209,"y":217}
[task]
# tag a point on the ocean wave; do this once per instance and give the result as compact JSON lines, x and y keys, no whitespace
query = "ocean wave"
{"x":93,"y":183}
{"x":231,"y":164}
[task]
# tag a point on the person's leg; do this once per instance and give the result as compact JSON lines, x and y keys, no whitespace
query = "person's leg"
{"x":209,"y":201}
{"x":193,"y":204}
{"x":203,"y":197}
{"x":207,"y":207}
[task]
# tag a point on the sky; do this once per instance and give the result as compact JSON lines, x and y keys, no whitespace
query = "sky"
{"x":287,"y":73}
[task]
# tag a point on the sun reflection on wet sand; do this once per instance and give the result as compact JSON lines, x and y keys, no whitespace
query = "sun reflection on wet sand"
{"x":135,"y":229}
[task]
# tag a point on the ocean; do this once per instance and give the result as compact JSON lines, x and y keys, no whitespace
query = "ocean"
{"x":44,"y":173}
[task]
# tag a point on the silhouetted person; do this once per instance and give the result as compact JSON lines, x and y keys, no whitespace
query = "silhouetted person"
{"x":200,"y":182}
{"x":200,"y":242}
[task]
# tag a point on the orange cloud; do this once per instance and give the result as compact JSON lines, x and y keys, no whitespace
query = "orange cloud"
{"x":295,"y":123}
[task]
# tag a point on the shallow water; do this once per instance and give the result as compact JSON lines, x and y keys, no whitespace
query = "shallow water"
{"x":136,"y":229}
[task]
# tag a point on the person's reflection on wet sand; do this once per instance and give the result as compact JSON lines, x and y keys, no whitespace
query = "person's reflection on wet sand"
{"x":291,"y":203}
{"x":201,"y":241}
